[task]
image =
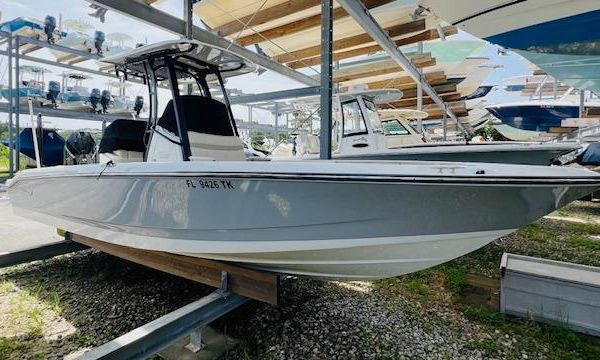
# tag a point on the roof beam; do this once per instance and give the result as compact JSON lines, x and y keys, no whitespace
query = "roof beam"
{"x":364,"y":18}
{"x":152,"y":16}
{"x":265,"y":15}
{"x":352,"y":41}
{"x":426,"y":35}
{"x":302,"y":24}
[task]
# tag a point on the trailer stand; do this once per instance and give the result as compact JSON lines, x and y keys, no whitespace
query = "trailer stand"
{"x":195,"y":344}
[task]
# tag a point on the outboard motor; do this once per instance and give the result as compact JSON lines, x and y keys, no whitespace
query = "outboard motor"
{"x":80,"y":147}
{"x":95,"y":97}
{"x":53,"y":91}
{"x":138,"y":105}
{"x":49,"y":27}
{"x":99,"y":38}
{"x":105,"y":100}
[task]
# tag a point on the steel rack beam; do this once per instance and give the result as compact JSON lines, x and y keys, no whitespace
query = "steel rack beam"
{"x":326,"y":78}
{"x":275,"y":95}
{"x":363,"y":17}
{"x":149,"y":339}
{"x":67,"y":114}
{"x":39,"y":253}
{"x":163,"y":20}
{"x":45,"y":44}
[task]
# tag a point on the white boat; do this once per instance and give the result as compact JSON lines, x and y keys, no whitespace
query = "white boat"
{"x":328,"y":219}
{"x":74,"y":95}
{"x":358,"y":135}
{"x":555,"y":35}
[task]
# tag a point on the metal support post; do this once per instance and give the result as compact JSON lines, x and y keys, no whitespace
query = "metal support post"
{"x":420,"y":92}
{"x":276,"y":113}
{"x":581,"y":102}
{"x":188,"y":17}
{"x":17,"y":106}
{"x":445,"y":123}
{"x":11,"y":166}
{"x":195,"y":344}
{"x":326,"y":77}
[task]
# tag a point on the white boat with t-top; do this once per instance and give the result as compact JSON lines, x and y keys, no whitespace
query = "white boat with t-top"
{"x":196,"y":194}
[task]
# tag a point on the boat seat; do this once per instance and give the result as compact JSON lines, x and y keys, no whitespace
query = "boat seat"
{"x":123,"y":141}
{"x":210,"y":131}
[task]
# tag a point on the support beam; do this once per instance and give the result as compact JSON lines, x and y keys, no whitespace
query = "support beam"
{"x":255,"y":284}
{"x":407,"y":82}
{"x":431,"y":34}
{"x":39,"y":253}
{"x":351,"y":41}
{"x":149,"y":339}
{"x":364,"y":18}
{"x":302,"y":24}
{"x":326,"y":78}
{"x":152,"y":16}
{"x":275,"y":95}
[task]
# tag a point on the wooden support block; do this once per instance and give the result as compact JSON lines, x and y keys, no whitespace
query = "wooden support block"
{"x":265,"y":15}
{"x":412,"y":102}
{"x":255,"y":284}
{"x":390,"y":67}
{"x":562,"y":130}
{"x":302,"y":24}
{"x":351,"y":41}
{"x":427,"y":35}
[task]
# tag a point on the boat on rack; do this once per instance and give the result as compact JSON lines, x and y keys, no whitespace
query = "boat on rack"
{"x":358,"y":134}
{"x":196,"y":194}
{"x":555,"y":35}
{"x":31,"y":85}
{"x":74,"y":96}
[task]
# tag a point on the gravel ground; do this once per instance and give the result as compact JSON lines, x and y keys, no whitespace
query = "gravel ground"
{"x":52,"y":308}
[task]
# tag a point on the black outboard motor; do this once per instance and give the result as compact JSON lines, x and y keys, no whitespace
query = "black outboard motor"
{"x":53,"y":91}
{"x":99,"y":38}
{"x":80,"y":146}
{"x":138,"y":105}
{"x":49,"y":27}
{"x":105,"y":100}
{"x":95,"y":96}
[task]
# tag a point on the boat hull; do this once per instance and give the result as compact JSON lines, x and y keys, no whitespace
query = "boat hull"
{"x":524,"y":154}
{"x":534,"y":117}
{"x":326,"y":224}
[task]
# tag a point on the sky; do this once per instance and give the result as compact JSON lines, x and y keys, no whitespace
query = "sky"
{"x":511,"y":65}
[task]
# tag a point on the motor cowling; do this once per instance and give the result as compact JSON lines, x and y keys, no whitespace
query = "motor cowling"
{"x":95,"y":96}
{"x":49,"y":27}
{"x":99,"y":39}
{"x":105,"y":100}
{"x":138,"y":105}
{"x":53,"y":91}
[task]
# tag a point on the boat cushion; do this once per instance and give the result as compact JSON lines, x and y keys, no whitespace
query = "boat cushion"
{"x":202,"y":114}
{"x":215,"y":147}
{"x":121,"y":156}
{"x":123,"y":141}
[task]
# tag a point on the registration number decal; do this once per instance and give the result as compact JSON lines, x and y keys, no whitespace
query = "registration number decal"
{"x":209,"y":184}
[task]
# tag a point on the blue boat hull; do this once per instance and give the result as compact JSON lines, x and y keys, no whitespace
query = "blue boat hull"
{"x":534,"y":117}
{"x":567,"y":49}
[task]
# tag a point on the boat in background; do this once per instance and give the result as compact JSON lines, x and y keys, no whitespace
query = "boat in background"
{"x":31,"y":85}
{"x":74,"y":96}
{"x":555,"y":35}
{"x":80,"y":148}
{"x":358,"y":134}
{"x":40,"y":30}
{"x":327,"y":219}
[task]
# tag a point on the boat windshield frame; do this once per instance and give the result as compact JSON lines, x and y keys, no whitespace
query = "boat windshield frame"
{"x":169,"y":67}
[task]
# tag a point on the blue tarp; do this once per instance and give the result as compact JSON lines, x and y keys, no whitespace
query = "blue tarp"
{"x":591,"y":155}
{"x":52,"y":147}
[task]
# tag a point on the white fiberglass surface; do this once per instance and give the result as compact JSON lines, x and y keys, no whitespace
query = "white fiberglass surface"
{"x":321,"y":167}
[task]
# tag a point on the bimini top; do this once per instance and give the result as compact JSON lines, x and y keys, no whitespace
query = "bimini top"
{"x":192,"y":53}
